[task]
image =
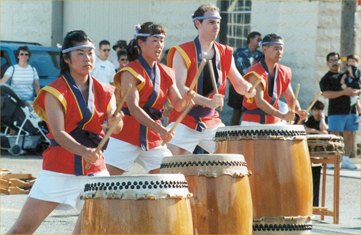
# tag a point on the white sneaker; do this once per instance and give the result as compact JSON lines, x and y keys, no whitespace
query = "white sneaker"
{"x":347,"y":164}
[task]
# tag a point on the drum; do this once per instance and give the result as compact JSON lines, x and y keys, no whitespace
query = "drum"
{"x":222,"y":201}
{"x":325,"y":144}
{"x":137,"y":204}
{"x":281,"y":182}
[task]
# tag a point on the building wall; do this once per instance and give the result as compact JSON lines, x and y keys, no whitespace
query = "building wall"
{"x":18,"y":19}
{"x":114,"y":20}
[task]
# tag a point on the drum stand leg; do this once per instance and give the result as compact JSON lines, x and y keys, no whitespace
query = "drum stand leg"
{"x":334,"y":159}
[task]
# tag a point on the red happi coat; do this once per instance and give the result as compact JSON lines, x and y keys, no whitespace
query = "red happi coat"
{"x":88,"y":116}
{"x":154,"y":94}
{"x":255,"y":114}
{"x":191,"y":53}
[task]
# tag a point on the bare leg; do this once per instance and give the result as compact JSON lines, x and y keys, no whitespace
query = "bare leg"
{"x":175,"y":150}
{"x":236,"y":118}
{"x":155,"y":171}
{"x":32,"y":215}
{"x":114,"y":170}
{"x":77,"y":229}
{"x":348,"y":140}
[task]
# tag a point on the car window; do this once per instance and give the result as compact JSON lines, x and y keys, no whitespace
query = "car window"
{"x":46,"y":63}
{"x":5,"y":62}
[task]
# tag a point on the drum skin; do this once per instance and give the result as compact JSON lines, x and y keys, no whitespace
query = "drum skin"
{"x":137,"y":204}
{"x":221,"y":202}
{"x":281,"y":182}
{"x":112,"y":216}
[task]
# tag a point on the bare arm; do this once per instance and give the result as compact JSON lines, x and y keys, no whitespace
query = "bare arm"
{"x":181,"y":73}
{"x":335,"y":94}
{"x":137,"y":112}
{"x":263,"y":104}
{"x":37,"y":86}
{"x":290,"y":98}
{"x":313,"y":131}
{"x":111,"y":117}
{"x":5,"y":79}
{"x":177,"y":100}
{"x":54,"y":112}
{"x":240,"y":85}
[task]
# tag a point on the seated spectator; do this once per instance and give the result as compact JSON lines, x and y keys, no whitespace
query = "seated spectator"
{"x":22,"y":77}
{"x":316,"y":123}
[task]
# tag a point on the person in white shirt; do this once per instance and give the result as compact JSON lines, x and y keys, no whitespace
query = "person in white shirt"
{"x":104,"y":70}
{"x":22,"y":77}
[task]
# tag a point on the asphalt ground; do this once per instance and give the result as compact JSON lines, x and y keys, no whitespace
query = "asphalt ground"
{"x":60,"y":222}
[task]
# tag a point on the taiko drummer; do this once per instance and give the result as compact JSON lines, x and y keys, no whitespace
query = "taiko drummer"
{"x":275,"y":81}
{"x":74,"y":107}
{"x":200,"y":125}
{"x":152,"y":84}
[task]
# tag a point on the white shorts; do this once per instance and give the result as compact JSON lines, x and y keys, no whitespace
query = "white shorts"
{"x":122,"y":155}
{"x":64,"y":189}
{"x":188,"y":139}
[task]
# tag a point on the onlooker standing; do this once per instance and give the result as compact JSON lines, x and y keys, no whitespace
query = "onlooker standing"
{"x":22,"y":77}
{"x":119,"y":45}
{"x":351,"y":78}
{"x":122,"y":59}
{"x":244,"y":57}
{"x":341,"y":115}
{"x":104,"y":70}
{"x":316,"y":123}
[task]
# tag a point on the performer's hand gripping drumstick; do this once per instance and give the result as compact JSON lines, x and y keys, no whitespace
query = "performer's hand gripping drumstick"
{"x":310,"y":107}
{"x":114,"y":125}
{"x":180,"y":118}
{"x":213,"y":79}
{"x":252,"y":88}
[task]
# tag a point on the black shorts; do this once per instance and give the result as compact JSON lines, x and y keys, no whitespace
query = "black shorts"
{"x":234,"y":99}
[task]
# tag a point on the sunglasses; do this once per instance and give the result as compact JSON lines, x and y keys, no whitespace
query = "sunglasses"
{"x":24,"y":54}
{"x":123,"y":59}
{"x":333,"y":61}
{"x":105,"y":50}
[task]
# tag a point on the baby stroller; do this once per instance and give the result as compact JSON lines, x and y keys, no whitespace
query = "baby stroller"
{"x":21,"y":129}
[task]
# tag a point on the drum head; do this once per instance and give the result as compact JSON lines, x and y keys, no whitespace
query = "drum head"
{"x":290,"y":132}
{"x":209,"y":165}
{"x":147,"y":186}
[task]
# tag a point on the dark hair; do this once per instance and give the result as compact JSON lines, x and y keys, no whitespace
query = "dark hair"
{"x":23,"y":48}
{"x":272,"y":37}
{"x":103,"y":42}
{"x":133,"y":48}
{"x":318,"y":105}
{"x":252,"y":35}
{"x":353,"y":57}
{"x":121,"y":44}
{"x":332,"y":54}
{"x":121,"y":53}
{"x":203,"y":9}
{"x":71,"y":39}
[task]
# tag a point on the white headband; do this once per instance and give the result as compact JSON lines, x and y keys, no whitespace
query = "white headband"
{"x":75,"y":48}
{"x":267,"y":43}
{"x":206,"y":17}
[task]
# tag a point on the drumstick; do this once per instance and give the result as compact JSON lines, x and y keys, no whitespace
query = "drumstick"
{"x":114,"y":125}
{"x":296,"y":95}
{"x":310,"y":107}
{"x":213,"y":79}
{"x":255,"y":85}
{"x":180,"y":118}
{"x":195,"y":79}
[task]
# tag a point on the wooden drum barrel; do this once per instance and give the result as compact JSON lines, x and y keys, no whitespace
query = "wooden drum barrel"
{"x":221,"y":202}
{"x":137,"y":204}
{"x":281,"y":182}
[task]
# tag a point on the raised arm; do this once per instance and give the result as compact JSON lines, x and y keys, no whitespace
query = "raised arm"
{"x":181,"y":73}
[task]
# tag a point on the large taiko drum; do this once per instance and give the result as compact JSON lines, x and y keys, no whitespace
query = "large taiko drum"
{"x":221,"y":202}
{"x":137,"y":204}
{"x":281,"y":182}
